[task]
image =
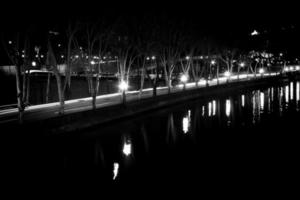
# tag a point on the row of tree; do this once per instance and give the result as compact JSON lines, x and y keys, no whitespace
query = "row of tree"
{"x":163,"y":48}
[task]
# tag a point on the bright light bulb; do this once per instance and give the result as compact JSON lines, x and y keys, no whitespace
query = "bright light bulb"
{"x":227,"y":73}
{"x":184,"y":78}
{"x":261,"y":71}
{"x":123,"y":86}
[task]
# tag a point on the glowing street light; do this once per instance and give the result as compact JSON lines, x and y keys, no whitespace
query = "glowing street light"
{"x":148,"y":58}
{"x":153,"y":57}
{"x":184,"y":79}
{"x":9,"y":42}
{"x":123,"y":86}
{"x":242,"y":64}
{"x":33,"y":63}
{"x":187,"y":57}
{"x":93,"y":62}
{"x":213,"y":62}
{"x":261,"y":71}
{"x":227,"y":74}
{"x":286,"y":69}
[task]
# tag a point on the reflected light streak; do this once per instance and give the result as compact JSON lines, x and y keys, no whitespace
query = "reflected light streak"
{"x":287,"y":94}
{"x":228,"y":107}
{"x":127,"y":148}
{"x":292,"y":90}
{"x":243,"y":100}
{"x":297,"y":91}
{"x":209,"y":109}
{"x":214,"y":107}
{"x":116,"y":170}
{"x":262,"y":100}
{"x":186,"y":122}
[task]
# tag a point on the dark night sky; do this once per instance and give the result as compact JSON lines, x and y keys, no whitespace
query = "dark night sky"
{"x":224,"y":22}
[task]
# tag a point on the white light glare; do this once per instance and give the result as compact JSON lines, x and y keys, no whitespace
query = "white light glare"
{"x":127,"y":148}
{"x":227,"y":73}
{"x":116,"y":170}
{"x":33,"y":63}
{"x":123,"y":86}
{"x":261,"y":71}
{"x":184,"y":78}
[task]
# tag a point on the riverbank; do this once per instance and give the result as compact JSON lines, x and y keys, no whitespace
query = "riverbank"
{"x":78,"y":121}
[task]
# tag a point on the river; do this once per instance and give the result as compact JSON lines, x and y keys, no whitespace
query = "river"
{"x":242,"y":139}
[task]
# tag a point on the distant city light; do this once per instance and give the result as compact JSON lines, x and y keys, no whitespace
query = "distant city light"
{"x":255,"y":33}
{"x":42,"y":56}
{"x":187,"y":57}
{"x":33,"y":63}
{"x":153,"y":58}
{"x":9,"y":42}
{"x":213,"y":62}
{"x":297,"y":67}
{"x":123,"y":86}
{"x":93,"y":62}
{"x":62,"y":56}
{"x":127,"y":148}
{"x":59,"y":45}
{"x":184,"y":78}
{"x":148,"y":58}
{"x":291,"y":68}
{"x":76,"y":56}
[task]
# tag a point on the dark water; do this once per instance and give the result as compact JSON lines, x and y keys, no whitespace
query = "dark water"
{"x":247,"y":140}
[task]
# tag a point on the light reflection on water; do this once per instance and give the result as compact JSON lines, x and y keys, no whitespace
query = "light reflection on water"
{"x":164,"y":130}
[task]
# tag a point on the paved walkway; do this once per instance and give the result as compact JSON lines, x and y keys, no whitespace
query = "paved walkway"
{"x":44,"y":111}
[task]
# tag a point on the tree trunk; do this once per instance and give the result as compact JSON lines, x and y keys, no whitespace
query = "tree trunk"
{"x":28,"y":88}
{"x":24,"y":86}
{"x":19,"y":93}
{"x":60,"y":93}
{"x":48,"y":88}
{"x":142,"y":82}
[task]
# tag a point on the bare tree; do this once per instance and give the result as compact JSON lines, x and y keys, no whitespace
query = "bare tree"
{"x":19,"y":56}
{"x":227,"y":57}
{"x":51,"y":64}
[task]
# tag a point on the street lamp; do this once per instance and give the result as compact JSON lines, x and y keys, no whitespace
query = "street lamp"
{"x":184,"y":79}
{"x":227,"y":73}
{"x":123,"y":86}
{"x":261,"y":71}
{"x":33,"y":63}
